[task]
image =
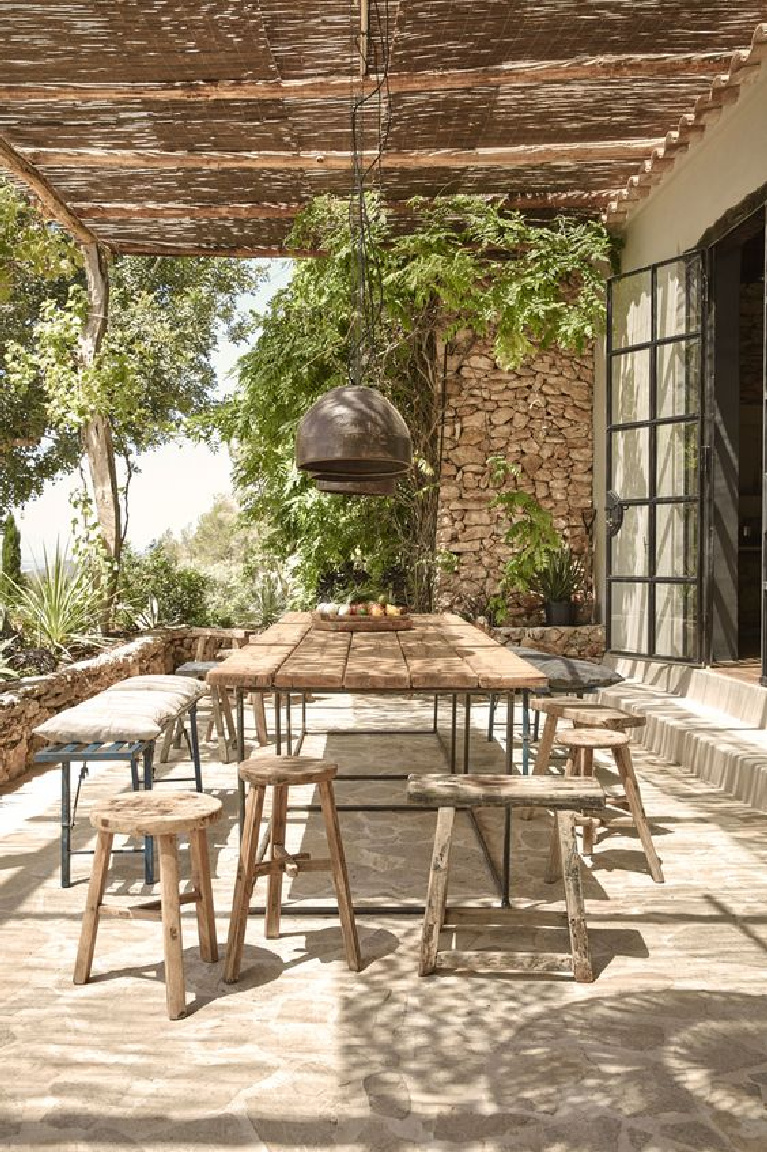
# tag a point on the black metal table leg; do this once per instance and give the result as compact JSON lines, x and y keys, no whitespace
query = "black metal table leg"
{"x":148,"y":841}
{"x":278,"y":723}
{"x":453,"y":726}
{"x":194,"y":740}
{"x":466,"y":730}
{"x":509,"y":764}
{"x":525,"y":731}
{"x":435,"y":724}
{"x":66,"y":821}
{"x":288,"y":724}
{"x":490,"y":717}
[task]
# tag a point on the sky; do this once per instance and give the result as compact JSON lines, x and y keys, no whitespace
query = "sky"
{"x":173,"y":485}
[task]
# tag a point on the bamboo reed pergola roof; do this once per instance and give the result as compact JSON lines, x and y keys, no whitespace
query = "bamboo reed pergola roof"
{"x":187,"y":127}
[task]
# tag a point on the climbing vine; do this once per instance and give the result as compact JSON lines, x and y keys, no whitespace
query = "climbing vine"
{"x":459,"y":263}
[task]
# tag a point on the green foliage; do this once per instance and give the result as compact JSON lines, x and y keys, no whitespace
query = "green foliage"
{"x":6,"y":651}
{"x":156,"y":589}
{"x":10,"y":565}
{"x":463,"y":265}
{"x":58,"y":607}
{"x":153,"y":377}
{"x":37,"y":263}
{"x":531,"y":534}
{"x":560,"y":577}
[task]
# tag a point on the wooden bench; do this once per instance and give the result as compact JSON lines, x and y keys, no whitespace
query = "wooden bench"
{"x":121,"y":723}
{"x":449,"y":793}
{"x":166,"y":817}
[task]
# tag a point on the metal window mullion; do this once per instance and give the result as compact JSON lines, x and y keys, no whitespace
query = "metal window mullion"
{"x":652,"y":483}
{"x":609,"y":466}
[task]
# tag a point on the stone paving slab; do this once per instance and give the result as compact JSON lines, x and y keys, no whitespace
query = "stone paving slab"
{"x":665,"y":1052}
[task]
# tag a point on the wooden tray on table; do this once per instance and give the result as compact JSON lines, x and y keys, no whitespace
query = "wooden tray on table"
{"x":324,"y":623}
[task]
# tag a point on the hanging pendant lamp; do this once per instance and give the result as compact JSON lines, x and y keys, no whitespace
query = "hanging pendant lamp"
{"x":353,"y":432}
{"x":353,"y":440}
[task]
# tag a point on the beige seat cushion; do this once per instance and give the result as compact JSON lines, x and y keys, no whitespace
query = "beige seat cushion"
{"x":186,"y":690}
{"x":122,"y":712}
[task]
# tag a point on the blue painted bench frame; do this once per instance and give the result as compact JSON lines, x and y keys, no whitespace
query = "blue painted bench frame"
{"x":132,"y":751}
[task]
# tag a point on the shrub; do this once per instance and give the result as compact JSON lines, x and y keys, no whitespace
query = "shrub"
{"x":155,"y":588}
{"x":11,"y":556}
{"x":58,"y":607}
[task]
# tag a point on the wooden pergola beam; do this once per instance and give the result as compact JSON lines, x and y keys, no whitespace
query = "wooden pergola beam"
{"x":336,"y":161}
{"x":634,"y":65}
{"x":135,"y":211}
{"x":159,"y":248}
{"x":50,"y":202}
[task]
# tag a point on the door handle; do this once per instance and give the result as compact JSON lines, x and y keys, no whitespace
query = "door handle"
{"x":614,"y":511}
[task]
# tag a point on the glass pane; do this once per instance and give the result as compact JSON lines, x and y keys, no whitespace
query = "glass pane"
{"x":631,"y":309}
{"x":631,"y":463}
{"x":675,"y":616}
{"x":630,"y":549}
{"x":630,"y":387}
{"x":676,"y":539}
{"x":628,"y":617}
{"x":678,"y":378}
{"x":677,"y":460}
{"x":678,"y":298}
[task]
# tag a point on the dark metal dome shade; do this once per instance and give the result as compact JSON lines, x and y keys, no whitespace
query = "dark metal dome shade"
{"x":385,"y":487}
{"x":353,"y":432}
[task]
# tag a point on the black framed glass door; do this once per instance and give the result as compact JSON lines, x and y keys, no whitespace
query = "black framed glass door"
{"x":654,"y":391}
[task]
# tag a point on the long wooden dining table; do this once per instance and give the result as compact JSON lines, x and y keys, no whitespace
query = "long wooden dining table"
{"x":442,"y":655}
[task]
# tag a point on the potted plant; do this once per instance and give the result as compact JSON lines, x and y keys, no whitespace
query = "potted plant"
{"x":558,"y":580}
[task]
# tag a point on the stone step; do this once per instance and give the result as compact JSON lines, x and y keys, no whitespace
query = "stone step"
{"x":727,"y":750}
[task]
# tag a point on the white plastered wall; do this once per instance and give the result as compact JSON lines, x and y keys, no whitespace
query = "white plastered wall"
{"x":725,"y":166}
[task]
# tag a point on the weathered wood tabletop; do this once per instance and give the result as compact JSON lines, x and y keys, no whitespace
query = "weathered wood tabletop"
{"x":441,"y":653}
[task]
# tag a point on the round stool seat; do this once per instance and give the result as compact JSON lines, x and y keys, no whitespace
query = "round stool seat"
{"x":603,"y":717}
{"x":291,"y":770}
{"x":594,"y":738}
{"x":555,"y":705}
{"x":150,"y":814}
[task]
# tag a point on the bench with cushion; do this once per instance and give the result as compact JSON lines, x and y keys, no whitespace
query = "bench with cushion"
{"x":121,"y":723}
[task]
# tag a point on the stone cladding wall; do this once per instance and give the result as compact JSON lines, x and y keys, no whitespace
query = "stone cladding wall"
{"x":26,"y":703}
{"x":586,"y":642}
{"x":540,"y":418}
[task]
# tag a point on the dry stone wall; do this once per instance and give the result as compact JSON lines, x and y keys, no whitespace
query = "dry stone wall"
{"x":538,"y":417}
{"x":28,"y":702}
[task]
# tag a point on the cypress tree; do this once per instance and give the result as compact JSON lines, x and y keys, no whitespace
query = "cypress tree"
{"x":11,"y":556}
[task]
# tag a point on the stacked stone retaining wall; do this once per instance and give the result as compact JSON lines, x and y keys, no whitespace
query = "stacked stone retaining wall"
{"x":26,"y":703}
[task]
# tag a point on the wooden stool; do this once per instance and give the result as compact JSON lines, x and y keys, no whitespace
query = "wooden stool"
{"x":166,"y":816}
{"x":566,"y":796}
{"x":581,"y":744}
{"x":281,"y":773}
{"x":590,"y":714}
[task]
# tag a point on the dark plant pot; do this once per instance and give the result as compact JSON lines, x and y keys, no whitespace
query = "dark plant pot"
{"x":559,"y":613}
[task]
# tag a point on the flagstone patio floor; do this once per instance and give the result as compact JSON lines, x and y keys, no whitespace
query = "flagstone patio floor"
{"x":665,"y":1052}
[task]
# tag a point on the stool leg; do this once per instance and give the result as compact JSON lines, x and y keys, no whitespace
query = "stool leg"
{"x":543,"y":756}
{"x":340,"y":876}
{"x":90,"y":924}
{"x":230,"y":728}
{"x":274,"y":890}
{"x":259,"y":718}
{"x":554,"y":866}
{"x":223,"y":746}
{"x":576,"y":915}
{"x":206,"y":916}
{"x":66,"y":822}
{"x":625,"y":767}
{"x":586,"y":766}
{"x":148,"y":841}
{"x":167,"y":741}
{"x":436,"y":896}
{"x":243,"y":886}
{"x":171,"y":927}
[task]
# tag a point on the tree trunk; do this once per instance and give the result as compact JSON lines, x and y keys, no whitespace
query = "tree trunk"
{"x":97,"y":434}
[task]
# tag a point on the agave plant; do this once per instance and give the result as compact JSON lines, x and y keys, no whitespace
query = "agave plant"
{"x":6,"y":672}
{"x":269,"y":598}
{"x":58,"y":607}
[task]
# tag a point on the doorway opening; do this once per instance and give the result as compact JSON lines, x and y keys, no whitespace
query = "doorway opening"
{"x":738,"y":265}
